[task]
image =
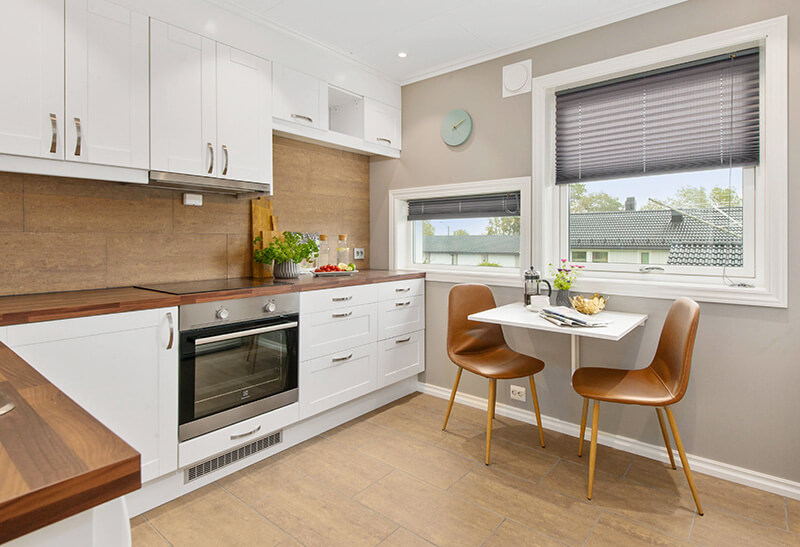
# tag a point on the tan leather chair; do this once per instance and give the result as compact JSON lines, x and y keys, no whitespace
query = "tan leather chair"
{"x":661,"y":384}
{"x":481,"y":349}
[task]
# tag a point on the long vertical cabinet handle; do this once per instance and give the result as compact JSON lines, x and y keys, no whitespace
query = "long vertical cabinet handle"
{"x":171,"y":330}
{"x":78,"y":132}
{"x":225,"y":151}
{"x":54,"y":139}
{"x":211,"y":163}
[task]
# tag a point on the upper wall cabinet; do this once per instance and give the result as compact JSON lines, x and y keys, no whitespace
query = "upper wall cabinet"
{"x":299,"y":98}
{"x":382,"y":124}
{"x":210,"y":107}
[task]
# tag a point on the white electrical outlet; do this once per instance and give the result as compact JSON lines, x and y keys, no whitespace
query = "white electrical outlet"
{"x":358,"y":253}
{"x":518,"y":393}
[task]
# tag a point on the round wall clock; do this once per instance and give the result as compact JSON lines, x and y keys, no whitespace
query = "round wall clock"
{"x":456,"y":127}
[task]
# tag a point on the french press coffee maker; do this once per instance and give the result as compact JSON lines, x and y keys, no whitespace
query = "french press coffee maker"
{"x":533,"y":282}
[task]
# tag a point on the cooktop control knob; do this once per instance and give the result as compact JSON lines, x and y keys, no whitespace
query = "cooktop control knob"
{"x":223,"y":314}
{"x":269,"y":307}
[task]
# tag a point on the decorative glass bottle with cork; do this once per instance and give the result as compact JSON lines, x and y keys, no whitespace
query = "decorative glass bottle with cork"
{"x":324,"y":254}
{"x":342,"y":250}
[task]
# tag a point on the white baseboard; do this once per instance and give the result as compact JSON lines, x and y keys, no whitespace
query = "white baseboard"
{"x":740,"y":475}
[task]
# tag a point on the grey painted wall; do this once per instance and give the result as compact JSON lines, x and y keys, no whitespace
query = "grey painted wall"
{"x":743,"y":403}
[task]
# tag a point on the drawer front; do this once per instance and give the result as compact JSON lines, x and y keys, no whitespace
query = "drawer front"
{"x":330,"y":331}
{"x":336,"y":299}
{"x":401,"y":289}
{"x":401,"y":357}
{"x":337,"y":378}
{"x":401,"y":316}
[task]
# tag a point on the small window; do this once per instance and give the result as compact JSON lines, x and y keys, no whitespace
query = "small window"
{"x":578,"y":256}
{"x":600,"y":257}
{"x":644,"y":258}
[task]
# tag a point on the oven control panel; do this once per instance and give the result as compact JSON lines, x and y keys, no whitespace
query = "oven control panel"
{"x":205,"y":314}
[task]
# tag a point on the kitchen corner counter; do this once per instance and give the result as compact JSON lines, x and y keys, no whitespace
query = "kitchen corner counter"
{"x":56,"y":460}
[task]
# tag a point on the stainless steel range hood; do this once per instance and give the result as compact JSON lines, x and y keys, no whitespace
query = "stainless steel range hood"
{"x":239,"y":188}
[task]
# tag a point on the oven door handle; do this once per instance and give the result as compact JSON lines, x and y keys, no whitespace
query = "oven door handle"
{"x":244,"y":333}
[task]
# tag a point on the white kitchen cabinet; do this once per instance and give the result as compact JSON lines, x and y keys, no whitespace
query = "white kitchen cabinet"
{"x":401,"y":357}
{"x":401,"y":316}
{"x":107,"y":92}
{"x":399,"y":289}
{"x":122,"y":368}
{"x":333,"y":331}
{"x":337,"y":299}
{"x":299,"y":98}
{"x":32,"y":68}
{"x":382,"y":124}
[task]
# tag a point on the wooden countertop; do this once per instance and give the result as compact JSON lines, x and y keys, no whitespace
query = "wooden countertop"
{"x":31,"y":308}
{"x":56,"y":460}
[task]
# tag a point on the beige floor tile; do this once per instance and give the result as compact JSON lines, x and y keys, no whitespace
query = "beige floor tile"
{"x":433,"y":514}
{"x":211,"y":516}
{"x":340,"y":467}
{"x":554,"y":515}
{"x":428,"y":403}
{"x":315,"y":514}
{"x":434,"y":465}
{"x":144,"y":535}
{"x":403,"y":538}
{"x":354,"y":433}
{"x":516,"y":459}
{"x":612,"y":529}
{"x":417,"y":423}
{"x":793,"y":512}
{"x":717,"y":527}
{"x":253,"y":483}
{"x":670,"y":512}
{"x":511,"y":534}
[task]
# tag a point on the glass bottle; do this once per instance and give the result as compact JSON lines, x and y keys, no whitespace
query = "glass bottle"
{"x":342,"y":250}
{"x":324,"y":253}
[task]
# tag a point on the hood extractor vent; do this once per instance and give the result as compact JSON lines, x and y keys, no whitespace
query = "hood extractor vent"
{"x":239,"y":188}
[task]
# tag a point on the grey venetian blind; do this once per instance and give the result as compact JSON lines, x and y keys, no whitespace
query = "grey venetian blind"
{"x":688,"y":117}
{"x":485,"y":205}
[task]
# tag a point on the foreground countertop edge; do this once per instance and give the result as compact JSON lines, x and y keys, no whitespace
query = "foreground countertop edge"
{"x":33,"y":308}
{"x":51,"y":479}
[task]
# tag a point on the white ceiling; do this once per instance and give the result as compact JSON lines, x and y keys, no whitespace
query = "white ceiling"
{"x":438,"y":35}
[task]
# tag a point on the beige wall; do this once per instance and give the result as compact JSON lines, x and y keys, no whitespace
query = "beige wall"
{"x":742,"y":406}
{"x":59,"y":234}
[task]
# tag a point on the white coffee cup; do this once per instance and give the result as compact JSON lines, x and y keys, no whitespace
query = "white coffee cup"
{"x":538,"y":302}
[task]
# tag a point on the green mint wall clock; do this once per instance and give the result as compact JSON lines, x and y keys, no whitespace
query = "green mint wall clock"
{"x":456,"y":127}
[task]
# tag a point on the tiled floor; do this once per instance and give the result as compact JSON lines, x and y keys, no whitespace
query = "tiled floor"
{"x":393,"y":477}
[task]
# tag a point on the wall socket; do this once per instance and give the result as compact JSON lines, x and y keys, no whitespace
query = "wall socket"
{"x":518,"y":393}
{"x":358,"y":253}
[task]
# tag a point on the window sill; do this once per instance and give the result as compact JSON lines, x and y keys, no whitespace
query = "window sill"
{"x":456,"y":276}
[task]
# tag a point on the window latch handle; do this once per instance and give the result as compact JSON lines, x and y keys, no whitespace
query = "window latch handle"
{"x":648,"y":269}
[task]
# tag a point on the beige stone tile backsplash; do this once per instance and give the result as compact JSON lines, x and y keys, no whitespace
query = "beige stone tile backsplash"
{"x":59,"y":234}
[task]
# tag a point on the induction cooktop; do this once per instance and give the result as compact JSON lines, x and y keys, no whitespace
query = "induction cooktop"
{"x":212,"y":285}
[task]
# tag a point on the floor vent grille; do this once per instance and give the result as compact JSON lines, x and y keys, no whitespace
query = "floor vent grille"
{"x":233,"y":456}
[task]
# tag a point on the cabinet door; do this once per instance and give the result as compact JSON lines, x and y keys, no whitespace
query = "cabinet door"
{"x":244,"y":120}
{"x":382,"y":124}
{"x":327,"y":332}
{"x":401,"y":357}
{"x":299,"y":98}
{"x":334,"y":379}
{"x":183,"y":101}
{"x":122,"y":368}
{"x":106,"y":84}
{"x":32,"y":68}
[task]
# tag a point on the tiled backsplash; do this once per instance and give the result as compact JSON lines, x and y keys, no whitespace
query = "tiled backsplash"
{"x":59,"y":234}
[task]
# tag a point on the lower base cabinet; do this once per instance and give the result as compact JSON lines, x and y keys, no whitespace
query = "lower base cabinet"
{"x":401,"y":357}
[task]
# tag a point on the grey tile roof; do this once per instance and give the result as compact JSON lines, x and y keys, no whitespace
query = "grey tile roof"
{"x":706,"y":254}
{"x":500,"y":244}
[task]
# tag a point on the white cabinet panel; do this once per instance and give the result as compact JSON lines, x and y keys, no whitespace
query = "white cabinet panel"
{"x":401,"y":316}
{"x":299,"y":98}
{"x":335,"y":299}
{"x":400,"y":289}
{"x":107,"y":90}
{"x":244,"y":120}
{"x":331,"y":331}
{"x":183,"y":101}
{"x":122,"y":368}
{"x":32,"y":68}
{"x":401,"y":357}
{"x":382,"y":124}
{"x":334,"y":379}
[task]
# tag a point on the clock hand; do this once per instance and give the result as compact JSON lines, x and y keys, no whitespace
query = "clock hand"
{"x":459,"y":123}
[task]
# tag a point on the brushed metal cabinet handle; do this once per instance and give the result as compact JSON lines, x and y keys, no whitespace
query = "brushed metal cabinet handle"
{"x":340,"y":359}
{"x":342,"y":299}
{"x":54,"y":139}
{"x":240,"y":435}
{"x":211,"y":163}
{"x":338,"y":315}
{"x":384,"y":139}
{"x":225,"y":151}
{"x":403,"y":341}
{"x":302,"y":117}
{"x":400,"y":304}
{"x":403,"y":290}
{"x":171,"y":330}
{"x":78,"y":140}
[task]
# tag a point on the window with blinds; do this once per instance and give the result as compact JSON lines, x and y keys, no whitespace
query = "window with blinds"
{"x":486,"y":205}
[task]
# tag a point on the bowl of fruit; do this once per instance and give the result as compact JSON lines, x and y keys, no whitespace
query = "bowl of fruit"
{"x":333,"y":270}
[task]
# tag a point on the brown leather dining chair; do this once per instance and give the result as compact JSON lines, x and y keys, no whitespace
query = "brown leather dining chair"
{"x":481,"y":349}
{"x":661,"y":384}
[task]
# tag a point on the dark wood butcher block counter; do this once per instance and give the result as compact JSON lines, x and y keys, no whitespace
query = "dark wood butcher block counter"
{"x":56,"y":460}
{"x":32,"y":308}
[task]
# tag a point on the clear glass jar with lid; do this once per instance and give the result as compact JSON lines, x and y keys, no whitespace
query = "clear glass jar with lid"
{"x":324,"y":253}
{"x":343,"y":250}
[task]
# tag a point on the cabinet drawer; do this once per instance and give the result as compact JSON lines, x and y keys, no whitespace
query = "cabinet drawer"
{"x":334,"y":299}
{"x":330,"y":331}
{"x":337,"y":378}
{"x":400,"y":289}
{"x":401,"y":316}
{"x":401,"y":357}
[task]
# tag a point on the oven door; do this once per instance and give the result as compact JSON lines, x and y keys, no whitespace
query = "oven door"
{"x":233,"y":372}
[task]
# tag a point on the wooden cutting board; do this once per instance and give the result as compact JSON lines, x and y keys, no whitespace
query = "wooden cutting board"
{"x":264,"y":224}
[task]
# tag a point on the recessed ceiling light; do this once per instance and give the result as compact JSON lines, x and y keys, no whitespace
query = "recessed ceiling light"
{"x":402,"y":54}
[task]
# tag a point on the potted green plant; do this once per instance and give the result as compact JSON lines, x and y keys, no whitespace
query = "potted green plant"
{"x":563,"y":277}
{"x":286,"y":251}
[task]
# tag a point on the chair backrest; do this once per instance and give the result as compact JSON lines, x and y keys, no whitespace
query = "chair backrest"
{"x":463,"y":335}
{"x":673,"y":359}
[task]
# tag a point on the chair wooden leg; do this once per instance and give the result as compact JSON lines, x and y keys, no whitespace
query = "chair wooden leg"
{"x":490,"y":415}
{"x":593,"y":450}
{"x":583,"y":425}
{"x":452,"y":397}
{"x":536,"y":410}
{"x":684,"y":461}
{"x":666,"y":436}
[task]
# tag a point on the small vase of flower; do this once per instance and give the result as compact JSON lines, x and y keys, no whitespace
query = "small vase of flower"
{"x":564,"y":275}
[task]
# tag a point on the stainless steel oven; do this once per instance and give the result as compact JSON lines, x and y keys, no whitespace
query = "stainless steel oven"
{"x":238,"y":360}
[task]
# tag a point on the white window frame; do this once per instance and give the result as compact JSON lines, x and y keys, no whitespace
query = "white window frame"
{"x":401,"y":235}
{"x":770,"y":249}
